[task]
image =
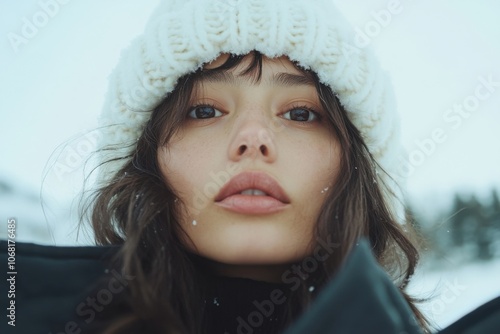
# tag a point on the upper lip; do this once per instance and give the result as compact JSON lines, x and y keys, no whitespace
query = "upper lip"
{"x":253,"y":180}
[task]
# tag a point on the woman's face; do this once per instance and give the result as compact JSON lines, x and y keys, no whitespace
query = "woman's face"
{"x":270,"y":136}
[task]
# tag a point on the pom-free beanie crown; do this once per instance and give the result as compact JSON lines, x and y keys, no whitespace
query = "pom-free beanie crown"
{"x":182,"y":35}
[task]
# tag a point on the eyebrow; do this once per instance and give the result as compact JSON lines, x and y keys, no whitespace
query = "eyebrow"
{"x":282,"y":79}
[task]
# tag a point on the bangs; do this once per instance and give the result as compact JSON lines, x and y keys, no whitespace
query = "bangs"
{"x":252,"y":71}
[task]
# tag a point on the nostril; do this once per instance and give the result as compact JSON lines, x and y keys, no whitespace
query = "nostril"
{"x":263,"y":149}
{"x":242,"y":149}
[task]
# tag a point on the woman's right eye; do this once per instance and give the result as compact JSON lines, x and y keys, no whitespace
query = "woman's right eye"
{"x":204,"y":112}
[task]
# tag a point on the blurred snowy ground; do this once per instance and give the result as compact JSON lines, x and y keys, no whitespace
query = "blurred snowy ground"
{"x":23,"y":204}
{"x":40,"y":218}
{"x":455,"y":290}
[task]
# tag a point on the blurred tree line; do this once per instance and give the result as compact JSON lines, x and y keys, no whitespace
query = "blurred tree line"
{"x":469,"y":230}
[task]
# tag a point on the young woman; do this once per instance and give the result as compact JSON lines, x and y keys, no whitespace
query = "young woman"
{"x":238,"y":138}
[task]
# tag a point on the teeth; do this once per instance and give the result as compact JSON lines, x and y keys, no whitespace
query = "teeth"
{"x":253,"y":192}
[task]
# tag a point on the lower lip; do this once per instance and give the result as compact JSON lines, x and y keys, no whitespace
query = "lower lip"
{"x":248,"y":204}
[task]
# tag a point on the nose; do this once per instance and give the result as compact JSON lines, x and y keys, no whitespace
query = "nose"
{"x":254,"y":140}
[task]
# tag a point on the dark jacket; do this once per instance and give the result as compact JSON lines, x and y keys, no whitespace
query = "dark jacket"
{"x":52,"y":291}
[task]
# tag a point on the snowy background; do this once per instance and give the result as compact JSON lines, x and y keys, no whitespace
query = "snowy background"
{"x":54,"y":75}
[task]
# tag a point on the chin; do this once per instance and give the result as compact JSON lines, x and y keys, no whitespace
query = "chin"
{"x":251,"y":241}
{"x":254,"y":252}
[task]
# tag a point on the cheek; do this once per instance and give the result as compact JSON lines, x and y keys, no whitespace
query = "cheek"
{"x":316,"y":160}
{"x":324,"y":158}
{"x":319,"y":170}
{"x":189,"y":165}
{"x":183,"y":164}
{"x":316,"y":164}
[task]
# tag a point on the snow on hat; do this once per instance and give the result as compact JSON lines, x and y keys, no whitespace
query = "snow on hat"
{"x":182,"y":35}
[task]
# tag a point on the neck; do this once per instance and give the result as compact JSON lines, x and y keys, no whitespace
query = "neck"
{"x":265,"y":273}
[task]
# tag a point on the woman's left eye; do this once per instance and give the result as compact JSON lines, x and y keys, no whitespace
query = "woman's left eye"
{"x":204,"y":112}
{"x":301,"y":115}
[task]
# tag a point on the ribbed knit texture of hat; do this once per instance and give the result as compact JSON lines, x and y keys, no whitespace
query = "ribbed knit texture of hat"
{"x":182,"y":35}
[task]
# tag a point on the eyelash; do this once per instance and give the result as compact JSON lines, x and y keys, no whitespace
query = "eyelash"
{"x":304,"y":107}
{"x":204,"y":105}
{"x":316,"y":114}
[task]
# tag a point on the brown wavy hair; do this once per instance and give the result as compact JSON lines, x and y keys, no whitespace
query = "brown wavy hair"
{"x":136,"y":210}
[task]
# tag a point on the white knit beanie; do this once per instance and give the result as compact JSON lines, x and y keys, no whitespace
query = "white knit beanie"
{"x":182,"y":35}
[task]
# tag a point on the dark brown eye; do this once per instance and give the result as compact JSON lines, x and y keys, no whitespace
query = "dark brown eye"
{"x":203,"y":112}
{"x":300,"y":115}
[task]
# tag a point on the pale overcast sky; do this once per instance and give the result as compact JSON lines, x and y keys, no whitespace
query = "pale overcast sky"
{"x":438,"y":52}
